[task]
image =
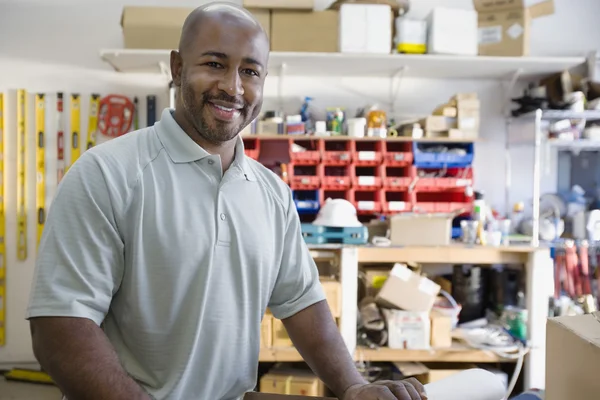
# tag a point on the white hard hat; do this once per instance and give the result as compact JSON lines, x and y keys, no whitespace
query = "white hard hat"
{"x":337,"y":213}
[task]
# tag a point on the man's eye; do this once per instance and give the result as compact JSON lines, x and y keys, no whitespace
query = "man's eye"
{"x":250,"y":72}
{"x":213,"y":64}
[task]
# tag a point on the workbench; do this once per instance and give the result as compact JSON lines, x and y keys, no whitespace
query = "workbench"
{"x":539,"y":273}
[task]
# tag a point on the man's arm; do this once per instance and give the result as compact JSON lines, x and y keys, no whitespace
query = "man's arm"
{"x":81,"y":361}
{"x":316,"y":336}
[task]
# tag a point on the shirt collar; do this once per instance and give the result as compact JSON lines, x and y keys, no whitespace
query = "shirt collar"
{"x":182,"y":149}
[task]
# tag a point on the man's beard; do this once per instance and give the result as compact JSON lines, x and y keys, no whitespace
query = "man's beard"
{"x":219,"y":132}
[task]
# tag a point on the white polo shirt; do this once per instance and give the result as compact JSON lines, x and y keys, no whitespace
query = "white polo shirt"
{"x":177,"y":260}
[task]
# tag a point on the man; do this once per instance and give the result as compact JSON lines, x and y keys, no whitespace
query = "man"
{"x":176,"y":243}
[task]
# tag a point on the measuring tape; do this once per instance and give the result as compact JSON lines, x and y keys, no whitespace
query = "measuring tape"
{"x":93,"y":121}
{"x":21,"y":178}
{"x":116,"y":115}
{"x":60,"y":138}
{"x":40,"y":158}
{"x":2,"y":231}
{"x":75,"y":127}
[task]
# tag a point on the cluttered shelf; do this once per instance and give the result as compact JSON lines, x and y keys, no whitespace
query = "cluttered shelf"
{"x":355,"y":65}
{"x":366,"y":138}
{"x":458,"y":353}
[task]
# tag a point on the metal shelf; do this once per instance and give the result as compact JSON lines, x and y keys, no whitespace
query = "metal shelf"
{"x":555,"y":115}
{"x":358,"y":65}
{"x":366,"y":138}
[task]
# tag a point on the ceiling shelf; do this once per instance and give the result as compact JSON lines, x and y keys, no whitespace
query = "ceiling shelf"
{"x":369,"y":65}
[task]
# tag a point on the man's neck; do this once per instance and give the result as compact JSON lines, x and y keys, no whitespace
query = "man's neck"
{"x":225,"y":150}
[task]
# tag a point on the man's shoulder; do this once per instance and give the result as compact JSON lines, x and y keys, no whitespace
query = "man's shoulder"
{"x":270,"y":180}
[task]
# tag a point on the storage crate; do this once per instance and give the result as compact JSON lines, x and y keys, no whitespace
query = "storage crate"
{"x":307,"y":201}
{"x":368,"y":152}
{"x":366,"y":201}
{"x":335,"y":194}
{"x":398,"y":153}
{"x":367,"y":177}
{"x":336,"y":177}
{"x":396,"y":201}
{"x":252,"y":147}
{"x":435,"y":155}
{"x":337,"y":152}
{"x":304,"y":177}
{"x":442,"y":202}
{"x":396,"y":177}
{"x":311,"y":155}
{"x":441,"y":179}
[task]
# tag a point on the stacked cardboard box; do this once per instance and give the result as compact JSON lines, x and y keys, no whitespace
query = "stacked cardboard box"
{"x":291,"y":382}
{"x":459,"y":118}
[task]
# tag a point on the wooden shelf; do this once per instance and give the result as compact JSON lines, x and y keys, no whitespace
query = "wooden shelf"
{"x":364,"y":65}
{"x":453,"y":254}
{"x":456,"y":353}
{"x":342,"y":138}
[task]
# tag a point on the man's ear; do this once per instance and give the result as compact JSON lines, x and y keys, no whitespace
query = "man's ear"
{"x":176,"y":67}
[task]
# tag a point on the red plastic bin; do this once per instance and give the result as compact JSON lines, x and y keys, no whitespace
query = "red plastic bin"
{"x":304,"y":177}
{"x":443,"y":202}
{"x":445,"y":179}
{"x":337,"y":152}
{"x":396,"y":177}
{"x":398,"y":153}
{"x":396,"y":201}
{"x":336,"y":177}
{"x":368,"y":152}
{"x":366,"y":201}
{"x":334,"y":194}
{"x":252,"y":147}
{"x":367,"y":177}
{"x":312,"y":155}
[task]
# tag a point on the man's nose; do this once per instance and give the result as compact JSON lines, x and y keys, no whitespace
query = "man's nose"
{"x":232,"y":83}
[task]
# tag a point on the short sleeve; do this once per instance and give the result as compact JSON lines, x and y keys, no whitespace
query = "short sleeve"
{"x":81,"y":254}
{"x":297,"y":286}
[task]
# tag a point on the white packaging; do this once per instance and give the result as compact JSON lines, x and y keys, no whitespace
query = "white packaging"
{"x":356,"y":127}
{"x":411,"y":36}
{"x":452,"y":31}
{"x":366,"y":28}
{"x":408,"y":330}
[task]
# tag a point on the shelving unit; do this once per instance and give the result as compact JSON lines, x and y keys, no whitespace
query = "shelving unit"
{"x":538,"y":141}
{"x":536,"y":262}
{"x":346,"y":138}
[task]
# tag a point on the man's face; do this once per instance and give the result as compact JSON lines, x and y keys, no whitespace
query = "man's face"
{"x":222,"y":77}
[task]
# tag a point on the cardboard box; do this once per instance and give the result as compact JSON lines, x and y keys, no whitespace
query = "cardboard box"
{"x":573,"y":357}
{"x":504,"y":25}
{"x":441,"y":330}
{"x":441,"y":371}
{"x":160,"y":27}
{"x":316,"y":31}
{"x":416,"y":229}
{"x":363,"y":28}
{"x":266,"y":332}
{"x":280,"y":335}
{"x":280,"y":4}
{"x":333,"y":292}
{"x":446,"y":111}
{"x":408,"y":330}
{"x":408,"y":291}
{"x":452,"y":31}
{"x":436,"y":123}
{"x":292,"y":382}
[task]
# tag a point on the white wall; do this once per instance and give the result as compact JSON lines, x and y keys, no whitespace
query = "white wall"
{"x":63,"y":56}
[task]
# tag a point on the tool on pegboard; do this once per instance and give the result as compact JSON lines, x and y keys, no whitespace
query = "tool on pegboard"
{"x":2,"y":232}
{"x":40,"y":162}
{"x":150,"y":110}
{"x":60,"y":138}
{"x":75,"y":111}
{"x":93,"y":121}
{"x":21,"y":174}
{"x":115,"y":115}
{"x":136,"y":115}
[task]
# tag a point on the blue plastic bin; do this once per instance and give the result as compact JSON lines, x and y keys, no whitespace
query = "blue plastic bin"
{"x":307,"y":201}
{"x":424,"y":159}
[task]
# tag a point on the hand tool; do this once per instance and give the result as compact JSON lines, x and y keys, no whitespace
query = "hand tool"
{"x":21,"y":174}
{"x":40,"y":156}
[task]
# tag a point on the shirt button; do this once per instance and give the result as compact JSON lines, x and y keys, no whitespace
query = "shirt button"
{"x":223,"y":217}
{"x":211,"y":162}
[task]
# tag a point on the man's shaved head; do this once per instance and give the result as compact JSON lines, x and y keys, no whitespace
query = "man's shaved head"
{"x":225,"y":12}
{"x":220,"y":71}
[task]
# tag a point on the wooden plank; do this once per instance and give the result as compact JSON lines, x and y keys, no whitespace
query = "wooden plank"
{"x":456,"y":354}
{"x":454,"y":254}
{"x":279,"y":354}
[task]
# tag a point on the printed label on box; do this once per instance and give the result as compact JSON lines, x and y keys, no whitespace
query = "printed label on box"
{"x":366,"y":155}
{"x":366,"y":205}
{"x":463,"y":182}
{"x":397,"y":205}
{"x":515,"y":31}
{"x":490,"y":35}
{"x":366,"y":180}
{"x":401,"y":271}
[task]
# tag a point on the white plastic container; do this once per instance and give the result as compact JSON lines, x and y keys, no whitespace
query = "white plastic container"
{"x":356,"y":127}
